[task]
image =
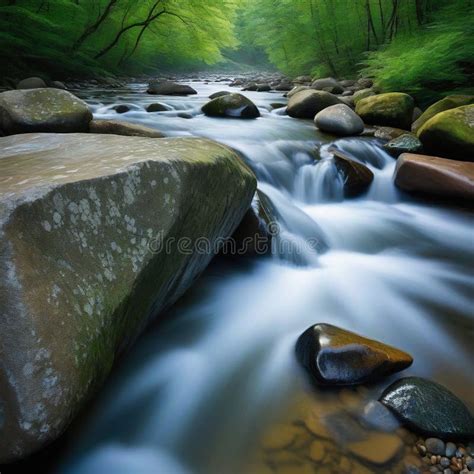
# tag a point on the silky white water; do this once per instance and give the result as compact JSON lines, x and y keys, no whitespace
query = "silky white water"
{"x":197,"y":389}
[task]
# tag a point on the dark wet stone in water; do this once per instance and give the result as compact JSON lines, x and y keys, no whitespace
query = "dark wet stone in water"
{"x":219,"y":94}
{"x":334,"y":356}
{"x":378,"y":416}
{"x":121,"y":109}
{"x":429,"y":408}
{"x":157,"y":107}
{"x":435,"y":446}
{"x":231,"y":105}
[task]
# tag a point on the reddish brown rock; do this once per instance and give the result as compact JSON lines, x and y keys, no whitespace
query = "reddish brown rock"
{"x":435,"y":176}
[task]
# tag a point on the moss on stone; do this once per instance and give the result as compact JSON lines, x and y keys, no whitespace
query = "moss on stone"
{"x":450,"y":134}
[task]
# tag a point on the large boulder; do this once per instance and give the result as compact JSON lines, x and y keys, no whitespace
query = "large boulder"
{"x":450,"y":102}
{"x":393,"y":109}
{"x":307,"y":103}
{"x":231,"y":105}
{"x":116,"y":127}
{"x":429,"y":408}
{"x":170,"y":88}
{"x":435,"y":176}
{"x":339,"y":119}
{"x":450,"y":134}
{"x":31,"y":83}
{"x":334,"y":356}
{"x":297,"y":89}
{"x":91,"y":253}
{"x":43,"y":110}
{"x":356,"y":177}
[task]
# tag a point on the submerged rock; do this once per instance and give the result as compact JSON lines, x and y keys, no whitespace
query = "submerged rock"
{"x":31,"y":83}
{"x":429,"y":408}
{"x":340,"y":120}
{"x":334,"y":356}
{"x":116,"y":127}
{"x":393,"y":109}
{"x":450,"y":134}
{"x":42,"y":110}
{"x":450,"y":102}
{"x":355,"y":176}
{"x":406,"y":143}
{"x":307,"y":103}
{"x":170,"y":88}
{"x":378,"y":448}
{"x":89,"y":256}
{"x":232,"y":105}
{"x":435,"y":176}
{"x":121,"y":108}
{"x":157,"y":107}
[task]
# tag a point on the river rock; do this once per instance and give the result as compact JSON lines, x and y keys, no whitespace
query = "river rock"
{"x":283,"y":87}
{"x":254,"y":234}
{"x":116,"y":127}
{"x":42,"y":110}
{"x":379,"y":417}
{"x":297,"y":89}
{"x":157,"y":107}
{"x":435,"y":176}
{"x":406,"y":143}
{"x":302,"y":79}
{"x":219,"y":94}
{"x":58,"y":85}
{"x":365,"y":82}
{"x":306,"y":104}
{"x":32,"y":83}
{"x":429,"y":408}
{"x":362,"y":94}
{"x":263,"y":87}
{"x":170,"y":88}
{"x":450,"y":134}
{"x":232,"y":105}
{"x":355,"y":176}
{"x":334,"y":356}
{"x":339,"y":119}
{"x":393,"y":109}
{"x":450,"y":102}
{"x":121,"y":108}
{"x":328,"y":84}
{"x":84,"y":265}
{"x":388,"y":133}
{"x":377,"y":449}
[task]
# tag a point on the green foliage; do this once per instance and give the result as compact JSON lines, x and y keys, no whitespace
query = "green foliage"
{"x":436,"y":61}
{"x":90,"y":37}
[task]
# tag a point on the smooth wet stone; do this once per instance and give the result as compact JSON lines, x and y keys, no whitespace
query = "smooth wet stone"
{"x":122,"y":109}
{"x":307,"y":103}
{"x":388,"y":133}
{"x":356,"y":177}
{"x":435,"y":446}
{"x":219,"y":94}
{"x":393,"y":109}
{"x":340,"y":120}
{"x":379,"y":417}
{"x":328,"y":84}
{"x":42,"y":110}
{"x":450,"y":449}
{"x":378,"y":448}
{"x":280,"y":437}
{"x":450,"y":134}
{"x":362,"y":94}
{"x":116,"y":127}
{"x":334,"y":356}
{"x":157,"y":107}
{"x":170,"y":88}
{"x":84,"y":219}
{"x":31,"y":83}
{"x":429,"y":408}
{"x":232,"y":106}
{"x":406,"y":143}
{"x":297,"y":89}
{"x":435,"y":176}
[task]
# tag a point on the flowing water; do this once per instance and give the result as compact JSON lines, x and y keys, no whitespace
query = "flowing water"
{"x":198,"y":390}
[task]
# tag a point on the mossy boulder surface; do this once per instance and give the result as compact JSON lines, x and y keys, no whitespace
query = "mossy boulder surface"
{"x":89,"y":255}
{"x":117,"y":127}
{"x":231,"y":105}
{"x":450,"y":134}
{"x":450,"y":102}
{"x":42,"y":110}
{"x":393,"y":110}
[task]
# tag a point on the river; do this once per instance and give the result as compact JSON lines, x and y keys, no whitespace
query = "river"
{"x":199,"y":388}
